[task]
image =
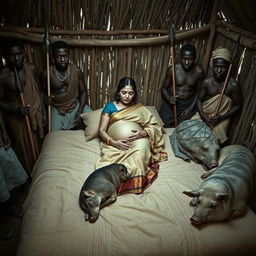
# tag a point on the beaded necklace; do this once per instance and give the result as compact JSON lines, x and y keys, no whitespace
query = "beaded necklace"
{"x":62,"y":76}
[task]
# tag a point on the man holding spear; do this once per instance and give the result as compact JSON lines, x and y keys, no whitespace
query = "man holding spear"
{"x":68,"y":91}
{"x":188,"y":77}
{"x":21,"y":101}
{"x":216,"y":87}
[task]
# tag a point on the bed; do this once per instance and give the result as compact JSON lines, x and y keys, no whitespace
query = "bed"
{"x":153,"y":223}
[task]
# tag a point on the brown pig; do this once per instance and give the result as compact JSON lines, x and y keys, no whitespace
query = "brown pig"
{"x":224,"y":194}
{"x":100,"y":189}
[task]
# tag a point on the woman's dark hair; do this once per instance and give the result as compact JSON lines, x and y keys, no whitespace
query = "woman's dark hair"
{"x":124,"y":82}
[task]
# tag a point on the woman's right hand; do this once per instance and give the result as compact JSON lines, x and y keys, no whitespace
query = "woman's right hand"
{"x":121,"y":144}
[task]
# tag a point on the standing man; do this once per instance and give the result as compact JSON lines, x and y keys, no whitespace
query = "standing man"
{"x":68,"y":91}
{"x":210,"y":92}
{"x":188,"y":79}
{"x":20,"y":80}
{"x":12,"y":176}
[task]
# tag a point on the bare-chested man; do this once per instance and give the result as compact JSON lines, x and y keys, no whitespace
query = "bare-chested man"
{"x":10,"y":102}
{"x":210,"y":92}
{"x":188,"y":78}
{"x":68,"y":91}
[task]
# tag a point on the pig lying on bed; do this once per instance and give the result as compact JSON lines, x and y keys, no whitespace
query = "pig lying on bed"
{"x":194,"y":140}
{"x":225,"y":193}
{"x":100,"y":189}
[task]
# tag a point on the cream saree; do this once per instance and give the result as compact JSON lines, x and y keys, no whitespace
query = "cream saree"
{"x":142,"y":158}
{"x":209,"y":108}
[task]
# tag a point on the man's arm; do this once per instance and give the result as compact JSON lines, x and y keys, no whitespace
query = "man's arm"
{"x":82,"y":94}
{"x":198,"y":86}
{"x":201,"y":97}
{"x":236,"y":97}
{"x":4,"y":138}
{"x":3,"y":105}
{"x":167,"y":85}
{"x":41,"y":86}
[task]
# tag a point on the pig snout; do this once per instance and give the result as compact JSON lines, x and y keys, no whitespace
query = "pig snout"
{"x":93,"y":215}
{"x":212,"y":164}
{"x":196,"y":220}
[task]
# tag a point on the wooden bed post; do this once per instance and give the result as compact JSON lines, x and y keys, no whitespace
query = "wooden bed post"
{"x":213,"y":20}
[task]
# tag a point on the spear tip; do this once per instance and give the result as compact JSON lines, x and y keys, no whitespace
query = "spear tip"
{"x":171,"y":35}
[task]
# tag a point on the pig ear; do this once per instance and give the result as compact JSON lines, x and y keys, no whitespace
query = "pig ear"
{"x":222,"y":196}
{"x":88,"y":193}
{"x":194,"y":193}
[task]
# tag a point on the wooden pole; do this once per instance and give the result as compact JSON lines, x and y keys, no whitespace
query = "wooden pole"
{"x":159,"y":40}
{"x":172,"y":43}
{"x":223,"y":91}
{"x":235,"y":54}
{"x":26,"y":116}
{"x":207,"y":55}
{"x":48,"y":91}
{"x":46,"y":42}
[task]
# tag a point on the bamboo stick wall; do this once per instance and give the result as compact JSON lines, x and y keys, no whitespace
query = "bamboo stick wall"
{"x":94,"y":28}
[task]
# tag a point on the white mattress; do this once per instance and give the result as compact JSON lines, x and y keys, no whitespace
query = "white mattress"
{"x":153,"y":223}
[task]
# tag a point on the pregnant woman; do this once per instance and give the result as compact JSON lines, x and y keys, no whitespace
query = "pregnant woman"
{"x":131,"y":135}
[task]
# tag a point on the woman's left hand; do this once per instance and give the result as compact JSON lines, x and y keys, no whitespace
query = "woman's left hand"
{"x":137,"y":134}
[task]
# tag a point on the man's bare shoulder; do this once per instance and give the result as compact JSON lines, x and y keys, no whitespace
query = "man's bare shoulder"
{"x":208,"y":81}
{"x":32,"y":66}
{"x":199,"y":69}
{"x":233,"y":81}
{"x":233,"y":85}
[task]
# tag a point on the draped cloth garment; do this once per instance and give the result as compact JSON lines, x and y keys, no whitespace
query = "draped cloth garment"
{"x":65,"y":105}
{"x":142,"y":158}
{"x":166,"y":110}
{"x":209,"y":107}
{"x":68,"y":100}
{"x":17,"y":128}
{"x":12,"y":173}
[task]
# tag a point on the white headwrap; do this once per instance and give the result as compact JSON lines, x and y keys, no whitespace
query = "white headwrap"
{"x":222,"y":53}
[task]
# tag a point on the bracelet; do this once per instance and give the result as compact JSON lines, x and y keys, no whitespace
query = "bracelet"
{"x":108,"y":140}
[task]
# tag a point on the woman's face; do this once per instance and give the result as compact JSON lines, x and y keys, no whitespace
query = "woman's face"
{"x":126,"y":94}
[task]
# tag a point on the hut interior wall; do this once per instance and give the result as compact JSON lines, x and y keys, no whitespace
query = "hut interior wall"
{"x":103,"y":65}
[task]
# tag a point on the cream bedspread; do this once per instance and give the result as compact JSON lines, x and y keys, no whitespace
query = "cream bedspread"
{"x":153,"y":223}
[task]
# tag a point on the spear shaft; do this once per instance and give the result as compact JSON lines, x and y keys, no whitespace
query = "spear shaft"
{"x":172,"y":44}
{"x":47,"y":48}
{"x":26,"y":116}
{"x":235,"y":51}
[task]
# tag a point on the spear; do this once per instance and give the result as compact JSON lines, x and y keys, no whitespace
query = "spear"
{"x":235,"y":54}
{"x":46,"y":43}
{"x":26,"y":116}
{"x":172,"y":44}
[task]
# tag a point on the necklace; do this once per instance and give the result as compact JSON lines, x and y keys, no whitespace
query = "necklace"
{"x":62,"y":76}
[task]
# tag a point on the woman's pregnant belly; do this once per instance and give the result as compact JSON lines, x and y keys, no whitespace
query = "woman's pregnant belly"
{"x":123,"y":129}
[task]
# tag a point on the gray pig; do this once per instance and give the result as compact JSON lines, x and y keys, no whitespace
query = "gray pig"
{"x":193,"y":139}
{"x":224,"y":194}
{"x":100,"y":189}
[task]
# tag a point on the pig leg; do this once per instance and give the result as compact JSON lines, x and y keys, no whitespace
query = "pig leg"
{"x":207,"y":174}
{"x":109,"y":200}
{"x":238,"y":212}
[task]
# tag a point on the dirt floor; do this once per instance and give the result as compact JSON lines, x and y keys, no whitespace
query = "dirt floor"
{"x":9,"y":246}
